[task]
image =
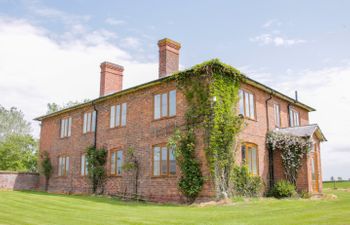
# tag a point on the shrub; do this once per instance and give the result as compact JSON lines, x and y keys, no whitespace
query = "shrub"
{"x":46,"y":168}
{"x":96,"y":159}
{"x":283,"y":189}
{"x":244,"y":183}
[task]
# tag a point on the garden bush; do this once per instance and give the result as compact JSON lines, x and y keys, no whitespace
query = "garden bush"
{"x":244,"y":183}
{"x":283,"y":189}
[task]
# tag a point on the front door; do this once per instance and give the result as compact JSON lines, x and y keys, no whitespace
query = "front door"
{"x":314,"y":170}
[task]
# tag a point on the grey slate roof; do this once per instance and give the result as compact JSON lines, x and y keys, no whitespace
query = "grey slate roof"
{"x":303,"y":131}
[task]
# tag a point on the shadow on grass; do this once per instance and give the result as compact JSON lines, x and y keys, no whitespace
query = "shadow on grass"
{"x":102,"y":199}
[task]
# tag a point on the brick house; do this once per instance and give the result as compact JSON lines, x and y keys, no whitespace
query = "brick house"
{"x":145,"y":116}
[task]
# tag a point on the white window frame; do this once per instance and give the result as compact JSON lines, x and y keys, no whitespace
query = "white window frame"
{"x":294,"y":117}
{"x":83,"y":165}
{"x":164,"y":104}
{"x":277,"y":114}
{"x":63,"y":165}
{"x":247,"y":103}
{"x":66,"y":127}
{"x":118,"y":115}
{"x":89,"y":123}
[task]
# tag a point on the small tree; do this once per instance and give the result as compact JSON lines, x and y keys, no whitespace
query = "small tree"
{"x":132,"y":165}
{"x":46,"y":168}
{"x":96,"y":159}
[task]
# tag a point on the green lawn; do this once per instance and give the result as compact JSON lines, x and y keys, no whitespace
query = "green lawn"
{"x":41,"y":208}
{"x":338,"y":184}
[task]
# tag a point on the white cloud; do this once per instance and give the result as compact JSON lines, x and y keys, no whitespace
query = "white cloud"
{"x":36,"y":69}
{"x":114,"y":22}
{"x":269,"y":39}
{"x":130,"y":42}
{"x":271,"y":23}
{"x":327,"y":90}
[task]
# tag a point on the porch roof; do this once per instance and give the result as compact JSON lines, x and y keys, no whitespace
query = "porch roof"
{"x":303,"y":131}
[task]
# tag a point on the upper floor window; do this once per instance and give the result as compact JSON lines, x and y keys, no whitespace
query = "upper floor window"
{"x":246,"y":104}
{"x":116,"y":162}
{"x":165,"y":104}
{"x":63,"y":165}
{"x":89,"y":122}
{"x":83,"y":165}
{"x":294,"y":118}
{"x":277,"y":113}
{"x":118,"y":115}
{"x":66,"y":125}
{"x":250,"y":157}
{"x":164,"y":162}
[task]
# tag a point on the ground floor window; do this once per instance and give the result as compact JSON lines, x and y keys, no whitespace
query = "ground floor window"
{"x":164,"y":162}
{"x":250,"y":157}
{"x":83,"y":165}
{"x":63,"y":165}
{"x":116,"y":162}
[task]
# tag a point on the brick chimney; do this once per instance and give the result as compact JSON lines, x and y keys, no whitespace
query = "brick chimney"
{"x":111,"y":78}
{"x":168,"y":57}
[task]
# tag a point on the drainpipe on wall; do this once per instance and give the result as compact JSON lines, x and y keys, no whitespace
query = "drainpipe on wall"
{"x":271,"y":169}
{"x":95,"y":134}
{"x":289,"y":122}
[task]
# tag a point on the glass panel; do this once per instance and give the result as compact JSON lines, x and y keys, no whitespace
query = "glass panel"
{"x":172,"y":162}
{"x":59,"y":166}
{"x":249,"y":158}
{"x":164,"y":104}
{"x":124,"y":113}
{"x":86,"y":166}
{"x":119,"y":162}
{"x":277,"y":115}
{"x":113,"y":163}
{"x":164,"y":161}
{"x":241,"y":103}
{"x":251,"y":106}
{"x":112,"y":117}
{"x":88,"y":127}
{"x":243,"y":154}
{"x":296,"y":118}
{"x":62,"y":128}
{"x":84,"y":125}
{"x":156,"y":161}
{"x":67,"y":165}
{"x":254,"y":161}
{"x":117,"y":116}
{"x":69,"y":126}
{"x":82,"y":165}
{"x":246,"y":102}
{"x":291,"y":118}
{"x":156,"y":106}
{"x":172,"y":103}
{"x":93,"y":126}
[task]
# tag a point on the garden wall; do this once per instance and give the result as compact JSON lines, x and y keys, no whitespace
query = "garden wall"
{"x":19,"y":180}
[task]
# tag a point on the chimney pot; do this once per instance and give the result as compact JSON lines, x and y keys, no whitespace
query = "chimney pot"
{"x":168,"y":57}
{"x":111,"y":78}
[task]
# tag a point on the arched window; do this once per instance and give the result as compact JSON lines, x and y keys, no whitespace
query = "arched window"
{"x":250,"y":157}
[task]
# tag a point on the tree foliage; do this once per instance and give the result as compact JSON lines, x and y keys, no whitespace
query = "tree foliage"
{"x":54,"y":107}
{"x":96,"y":159}
{"x":12,"y":122}
{"x":292,"y":149}
{"x":46,"y":167}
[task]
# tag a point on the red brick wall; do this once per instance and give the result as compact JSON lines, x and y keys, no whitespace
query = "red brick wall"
{"x":141,"y":133}
{"x":19,"y":180}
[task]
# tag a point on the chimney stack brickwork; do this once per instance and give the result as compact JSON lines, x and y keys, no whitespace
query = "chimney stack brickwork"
{"x":168,"y":57}
{"x":111,"y":78}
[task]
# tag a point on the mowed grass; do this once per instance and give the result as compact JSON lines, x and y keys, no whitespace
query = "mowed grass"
{"x":338,"y":184}
{"x":41,"y":208}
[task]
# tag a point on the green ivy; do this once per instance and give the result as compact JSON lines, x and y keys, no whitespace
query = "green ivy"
{"x":211,"y":91}
{"x":46,"y":167}
{"x":96,"y":159}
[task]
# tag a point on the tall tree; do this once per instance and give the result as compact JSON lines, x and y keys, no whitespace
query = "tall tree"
{"x":12,"y":122}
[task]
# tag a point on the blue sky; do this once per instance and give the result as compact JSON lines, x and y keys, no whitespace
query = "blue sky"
{"x":289,"y":45}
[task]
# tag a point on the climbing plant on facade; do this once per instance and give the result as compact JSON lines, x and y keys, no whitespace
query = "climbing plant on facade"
{"x":96,"y":159}
{"x":292,"y":149}
{"x":211,"y":91}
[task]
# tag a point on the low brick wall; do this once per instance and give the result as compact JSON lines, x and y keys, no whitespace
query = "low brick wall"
{"x":19,"y":180}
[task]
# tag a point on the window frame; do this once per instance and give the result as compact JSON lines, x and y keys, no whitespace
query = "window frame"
{"x":160,"y":93}
{"x":292,"y":113}
{"x":86,"y":172}
{"x":92,"y":122}
{"x":115,"y":151}
{"x":120,"y":115}
{"x":66,"y":133}
{"x":64,"y":174}
{"x":244,"y":104}
{"x":244,"y":161}
{"x":168,"y":174}
{"x":279,"y":114}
